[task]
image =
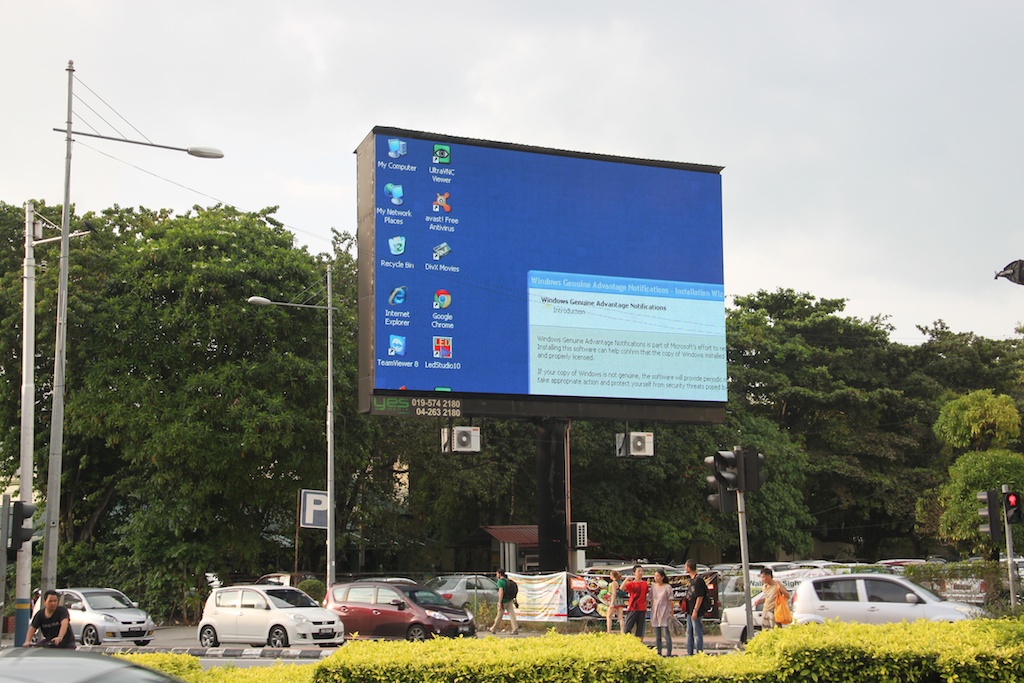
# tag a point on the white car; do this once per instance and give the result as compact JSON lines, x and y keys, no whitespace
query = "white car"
{"x":106,"y":615}
{"x":863,"y":598}
{"x":278,"y":616}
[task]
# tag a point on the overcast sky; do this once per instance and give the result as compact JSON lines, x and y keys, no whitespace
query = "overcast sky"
{"x":872,"y":149}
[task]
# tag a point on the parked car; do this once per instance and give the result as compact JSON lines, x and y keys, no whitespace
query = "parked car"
{"x":388,"y":579}
{"x":272,"y":615}
{"x":47,"y":665}
{"x":106,"y":615}
{"x":863,"y":598}
{"x":465,"y":589}
{"x":397,"y":610}
{"x":284,"y":579}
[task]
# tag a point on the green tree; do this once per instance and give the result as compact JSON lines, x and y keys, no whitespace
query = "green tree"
{"x":972,"y":472}
{"x":980,"y":420}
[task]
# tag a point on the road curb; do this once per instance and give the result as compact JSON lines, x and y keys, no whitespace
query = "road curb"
{"x":211,"y":652}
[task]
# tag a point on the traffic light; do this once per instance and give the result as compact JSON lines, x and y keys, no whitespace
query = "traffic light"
{"x":993,"y":526}
{"x":724,"y":500}
{"x":1012,"y":508}
{"x":752,"y":474}
{"x":21,"y":512}
{"x":725,"y":468}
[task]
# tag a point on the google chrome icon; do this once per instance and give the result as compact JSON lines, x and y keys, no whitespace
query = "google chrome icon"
{"x":442,"y":299}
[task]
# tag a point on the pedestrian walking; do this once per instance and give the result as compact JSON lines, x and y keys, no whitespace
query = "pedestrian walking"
{"x":506,"y":602}
{"x":661,"y":612}
{"x":770,"y":594}
{"x":696,"y":603}
{"x":616,"y":602}
{"x":636,"y":606}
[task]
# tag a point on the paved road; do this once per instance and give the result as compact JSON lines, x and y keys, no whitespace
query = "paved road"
{"x":184,"y":639}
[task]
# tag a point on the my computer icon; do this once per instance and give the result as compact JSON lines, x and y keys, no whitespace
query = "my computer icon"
{"x":397,"y":148}
{"x":396,"y":345}
{"x":395,"y":192}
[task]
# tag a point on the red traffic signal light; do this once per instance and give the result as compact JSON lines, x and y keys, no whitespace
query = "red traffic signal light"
{"x":1012,"y":508}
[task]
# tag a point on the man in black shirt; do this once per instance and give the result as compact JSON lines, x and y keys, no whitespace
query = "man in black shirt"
{"x":53,"y":621}
{"x":696,"y":600}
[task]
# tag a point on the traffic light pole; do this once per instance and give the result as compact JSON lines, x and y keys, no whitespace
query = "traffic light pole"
{"x":741,"y":512}
{"x":1011,"y":565}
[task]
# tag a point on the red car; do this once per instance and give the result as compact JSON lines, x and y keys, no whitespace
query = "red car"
{"x":375,"y":609}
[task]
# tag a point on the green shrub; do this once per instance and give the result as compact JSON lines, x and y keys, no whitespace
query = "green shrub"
{"x":595,"y":658}
{"x":314,"y":588}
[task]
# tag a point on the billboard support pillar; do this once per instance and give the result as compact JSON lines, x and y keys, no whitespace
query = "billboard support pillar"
{"x":552,"y":523}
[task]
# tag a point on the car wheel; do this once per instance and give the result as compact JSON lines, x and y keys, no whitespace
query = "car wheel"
{"x":416,"y":632}
{"x":208,"y":637}
{"x":142,"y":643}
{"x":278,"y":637}
{"x":90,"y":636}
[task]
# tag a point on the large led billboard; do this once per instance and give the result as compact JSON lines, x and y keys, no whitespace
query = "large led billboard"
{"x":504,"y":279}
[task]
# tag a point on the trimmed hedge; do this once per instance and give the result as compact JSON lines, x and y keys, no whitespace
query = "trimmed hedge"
{"x":596,"y":658}
{"x":981,"y":650}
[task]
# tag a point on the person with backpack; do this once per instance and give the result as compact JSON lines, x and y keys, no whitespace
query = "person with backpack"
{"x":696,"y":604}
{"x":508,"y":590}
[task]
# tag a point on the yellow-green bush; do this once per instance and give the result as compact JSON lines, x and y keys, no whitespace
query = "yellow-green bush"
{"x":181,"y":666}
{"x":990,"y":651}
{"x":976,"y":650}
{"x":595,"y":658}
{"x":187,"y":668}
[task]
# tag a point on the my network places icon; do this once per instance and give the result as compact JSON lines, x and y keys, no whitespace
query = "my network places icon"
{"x":442,"y":347}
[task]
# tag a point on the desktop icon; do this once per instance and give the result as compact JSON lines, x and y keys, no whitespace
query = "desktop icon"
{"x":397,"y":245}
{"x":441,"y":203}
{"x":398,"y":295}
{"x":396,"y":345}
{"x":441,"y":250}
{"x":397,"y":148}
{"x":442,"y":347}
{"x":395,"y":192}
{"x":442,"y":154}
{"x":442,"y":298}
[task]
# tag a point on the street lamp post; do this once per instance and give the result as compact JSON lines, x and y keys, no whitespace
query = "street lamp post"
{"x":263,"y":301}
{"x":50,"y":531}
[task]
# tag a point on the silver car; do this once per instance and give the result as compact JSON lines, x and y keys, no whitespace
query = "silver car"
{"x":278,"y":616}
{"x":862,"y":598}
{"x":873,"y":599}
{"x":465,"y":590}
{"x":106,"y":615}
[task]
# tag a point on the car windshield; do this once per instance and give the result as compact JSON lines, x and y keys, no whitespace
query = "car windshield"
{"x":928,"y":594}
{"x":108,"y":600}
{"x":283,"y":598}
{"x":426,"y":598}
{"x":442,"y":582}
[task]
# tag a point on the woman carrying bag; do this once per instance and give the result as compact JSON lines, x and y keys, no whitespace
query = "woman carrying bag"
{"x":770,"y":596}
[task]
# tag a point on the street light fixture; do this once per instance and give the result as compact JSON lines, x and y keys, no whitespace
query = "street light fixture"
{"x":263,"y":301}
{"x":48,"y":579}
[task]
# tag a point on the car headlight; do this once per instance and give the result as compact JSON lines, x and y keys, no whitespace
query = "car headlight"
{"x":298,"y":618}
{"x":436,"y":615}
{"x":107,"y":617}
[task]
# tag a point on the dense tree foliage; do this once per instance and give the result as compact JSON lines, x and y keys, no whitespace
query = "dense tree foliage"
{"x":193,"y":419}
